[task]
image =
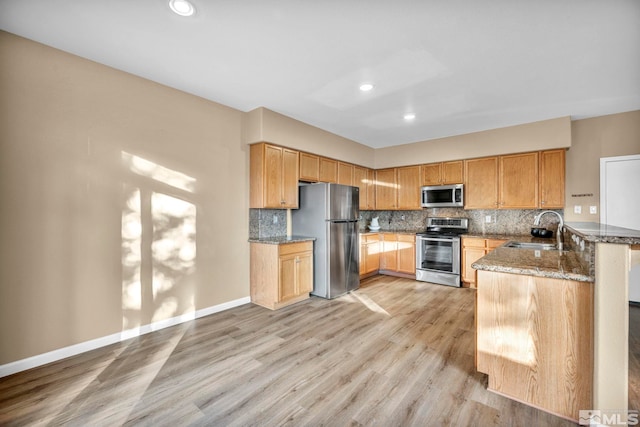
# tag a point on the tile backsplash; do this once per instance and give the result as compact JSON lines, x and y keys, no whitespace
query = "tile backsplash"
{"x":503,"y":221}
{"x":272,"y":222}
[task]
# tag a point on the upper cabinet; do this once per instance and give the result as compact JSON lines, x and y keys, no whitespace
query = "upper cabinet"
{"x":386,"y":189}
{"x":345,"y":174}
{"x":443,"y":173}
{"x":408,"y":187}
{"x":398,"y":188}
{"x":481,"y":183}
{"x":516,"y":181}
{"x":552,"y":179}
{"x":328,"y":170}
{"x":364,"y":179}
{"x":309,"y":167}
{"x":273,"y":177}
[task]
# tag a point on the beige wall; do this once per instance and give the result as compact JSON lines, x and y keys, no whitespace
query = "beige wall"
{"x":554,"y":133}
{"x":264,"y":125}
{"x":604,"y":136}
{"x":67,"y":183}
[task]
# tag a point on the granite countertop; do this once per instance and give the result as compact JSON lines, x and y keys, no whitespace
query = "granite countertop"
{"x":281,"y":240}
{"x":554,"y":264}
{"x":604,"y":233}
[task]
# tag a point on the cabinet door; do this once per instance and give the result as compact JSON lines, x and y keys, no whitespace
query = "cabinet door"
{"x":360,"y":181}
{"x":304,"y":273}
{"x":519,"y":181}
{"x":406,"y":254}
{"x":287,"y":279}
{"x":372,"y":257}
{"x":289,"y":179}
{"x":431,"y":174}
{"x":408,"y":184}
{"x":328,"y":170}
{"x":273,"y":177}
{"x":552,"y":179}
{"x":309,"y":167}
{"x":481,"y":183}
{"x":453,"y":172}
{"x":345,"y":174}
{"x":371,"y":189}
{"x":386,"y":194}
{"x":389,"y":256}
{"x":469,"y":256}
{"x":362,"y":256}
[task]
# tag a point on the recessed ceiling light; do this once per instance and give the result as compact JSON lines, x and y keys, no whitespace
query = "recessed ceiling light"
{"x":366,"y":87}
{"x":409,"y":116}
{"x":182,"y":7}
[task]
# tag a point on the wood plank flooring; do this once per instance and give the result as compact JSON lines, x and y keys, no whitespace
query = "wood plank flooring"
{"x":395,"y":353}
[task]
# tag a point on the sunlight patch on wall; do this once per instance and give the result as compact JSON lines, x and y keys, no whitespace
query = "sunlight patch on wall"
{"x":131,"y":260}
{"x":147,"y":168}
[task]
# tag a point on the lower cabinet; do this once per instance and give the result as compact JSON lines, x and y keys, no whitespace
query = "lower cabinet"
{"x":369,"y":254}
{"x":474,"y":248}
{"x":281,"y":274}
{"x":534,"y":339}
{"x":398,"y":254}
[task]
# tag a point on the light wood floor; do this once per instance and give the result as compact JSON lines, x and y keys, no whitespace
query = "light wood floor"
{"x":395,"y":353}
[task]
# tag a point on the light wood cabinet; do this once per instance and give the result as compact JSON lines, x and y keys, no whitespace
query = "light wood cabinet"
{"x":369,"y":254}
{"x":364,"y":179}
{"x":345,"y":173}
{"x":518,"y":181}
{"x":443,"y":173}
{"x":552,"y":179}
{"x":406,"y":253}
{"x":309,"y":167}
{"x":398,"y":188}
{"x":408,"y":188}
{"x":398,"y":254}
{"x":281,"y":274}
{"x":273,"y":177}
{"x":474,"y":248}
{"x":534,"y":339}
{"x":481,"y":183}
{"x":328,"y":170}
{"x":386,"y":189}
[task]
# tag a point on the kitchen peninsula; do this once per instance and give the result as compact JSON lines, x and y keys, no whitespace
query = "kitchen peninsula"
{"x":552,"y":326}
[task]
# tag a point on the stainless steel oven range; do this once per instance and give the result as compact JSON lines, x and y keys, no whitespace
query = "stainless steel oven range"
{"x":438,"y":251}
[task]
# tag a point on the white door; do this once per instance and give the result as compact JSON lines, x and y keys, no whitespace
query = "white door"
{"x":620,"y":202}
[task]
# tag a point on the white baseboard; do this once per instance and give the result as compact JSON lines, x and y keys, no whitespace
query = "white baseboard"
{"x":72,"y":350}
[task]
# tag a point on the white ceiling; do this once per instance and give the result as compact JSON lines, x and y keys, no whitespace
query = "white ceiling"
{"x":460,"y":65}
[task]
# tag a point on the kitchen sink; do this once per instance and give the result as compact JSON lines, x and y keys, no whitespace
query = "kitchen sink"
{"x":532,"y":245}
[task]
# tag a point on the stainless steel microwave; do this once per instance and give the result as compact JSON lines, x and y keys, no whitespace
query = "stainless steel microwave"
{"x":443,"y":196}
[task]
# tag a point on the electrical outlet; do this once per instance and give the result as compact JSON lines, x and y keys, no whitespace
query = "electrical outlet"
{"x":275,"y":219}
{"x":577,"y":209}
{"x":402,"y":217}
{"x":593,"y":210}
{"x":487,"y":219}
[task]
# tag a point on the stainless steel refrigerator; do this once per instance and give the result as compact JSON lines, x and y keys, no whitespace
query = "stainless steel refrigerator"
{"x":329,"y":212}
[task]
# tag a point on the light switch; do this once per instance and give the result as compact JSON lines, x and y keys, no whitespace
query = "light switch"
{"x":577,"y":209}
{"x":593,"y":210}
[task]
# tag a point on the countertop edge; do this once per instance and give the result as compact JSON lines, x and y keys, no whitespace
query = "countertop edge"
{"x":281,"y":240}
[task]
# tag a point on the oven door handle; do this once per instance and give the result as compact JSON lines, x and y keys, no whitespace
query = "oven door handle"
{"x":434,"y":239}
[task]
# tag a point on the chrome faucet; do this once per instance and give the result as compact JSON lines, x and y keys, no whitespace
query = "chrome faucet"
{"x":536,"y":222}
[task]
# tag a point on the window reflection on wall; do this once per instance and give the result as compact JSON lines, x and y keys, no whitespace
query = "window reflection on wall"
{"x":158,"y":244}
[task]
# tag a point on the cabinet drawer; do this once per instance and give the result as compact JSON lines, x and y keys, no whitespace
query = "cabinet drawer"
{"x":406,"y":238}
{"x":368,"y":238}
{"x":292,"y":248}
{"x":473,"y":242}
